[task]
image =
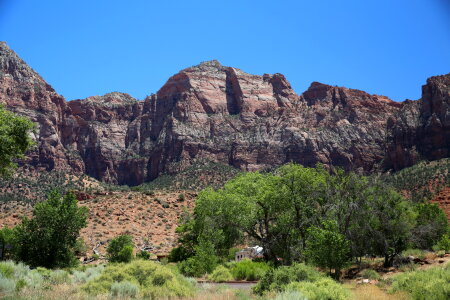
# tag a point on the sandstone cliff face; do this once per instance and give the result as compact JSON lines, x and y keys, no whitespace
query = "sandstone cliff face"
{"x":421,"y":129}
{"x":224,"y":115}
{"x":23,"y":91}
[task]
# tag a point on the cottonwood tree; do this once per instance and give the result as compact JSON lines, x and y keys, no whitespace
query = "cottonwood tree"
{"x":49,"y":237}
{"x":15,"y":140}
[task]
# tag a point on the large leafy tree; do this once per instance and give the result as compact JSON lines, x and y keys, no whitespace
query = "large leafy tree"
{"x":49,"y":237}
{"x":15,"y":140}
{"x":328,"y":248}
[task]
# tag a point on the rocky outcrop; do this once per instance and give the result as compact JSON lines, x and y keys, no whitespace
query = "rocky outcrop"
{"x":225,"y":115}
{"x":421,"y":129}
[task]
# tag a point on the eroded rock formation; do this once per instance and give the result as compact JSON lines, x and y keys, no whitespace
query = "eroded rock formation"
{"x":225,"y":115}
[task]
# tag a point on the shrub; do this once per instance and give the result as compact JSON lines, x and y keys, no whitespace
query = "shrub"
{"x":204,"y":261}
{"x":15,"y":276}
{"x":124,"y":289}
{"x":414,"y":252}
{"x":143,"y":255}
{"x":443,"y":244}
{"x":180,"y":197}
{"x":370,"y":274}
{"x":59,"y":277}
{"x":431,"y":284}
{"x":152,"y":279}
{"x":249,"y":270}
{"x":88,"y":274}
{"x":221,"y":274}
{"x":290,"y":295}
{"x":120,"y":249}
{"x":322,"y":289}
{"x":7,"y":285}
{"x":277,"y":279}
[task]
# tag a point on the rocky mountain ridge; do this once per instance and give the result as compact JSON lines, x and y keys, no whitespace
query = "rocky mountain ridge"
{"x":222,"y":114}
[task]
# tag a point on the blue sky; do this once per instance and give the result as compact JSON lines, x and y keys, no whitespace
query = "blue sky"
{"x":84,"y":48}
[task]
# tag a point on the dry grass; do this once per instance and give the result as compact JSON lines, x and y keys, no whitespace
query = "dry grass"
{"x":373,"y":292}
{"x":56,"y":292}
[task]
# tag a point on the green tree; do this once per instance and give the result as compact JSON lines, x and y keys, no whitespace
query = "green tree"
{"x":328,"y":248}
{"x":15,"y":140}
{"x":48,"y":239}
{"x":120,"y":249}
{"x":390,"y":224}
{"x":431,"y":225}
{"x":6,"y":242}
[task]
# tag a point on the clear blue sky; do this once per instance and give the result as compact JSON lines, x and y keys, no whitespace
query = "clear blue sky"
{"x":84,"y":48}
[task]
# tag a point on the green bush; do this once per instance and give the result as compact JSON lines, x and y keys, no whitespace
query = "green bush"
{"x":59,"y":277}
{"x":143,"y":255}
{"x":414,"y":252}
{"x":124,"y":289}
{"x":88,"y":274}
{"x":431,"y":284}
{"x":120,"y":249}
{"x":443,"y":244}
{"x":221,"y":274}
{"x":152,"y":279}
{"x":249,"y":270}
{"x":290,"y":295}
{"x":15,"y":276}
{"x":7,"y":285}
{"x":277,"y":279}
{"x":370,"y":274}
{"x":204,"y":261}
{"x":322,"y":289}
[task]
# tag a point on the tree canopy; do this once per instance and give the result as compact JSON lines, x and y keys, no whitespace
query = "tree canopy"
{"x":282,"y":210}
{"x":15,"y":140}
{"x":48,"y":239}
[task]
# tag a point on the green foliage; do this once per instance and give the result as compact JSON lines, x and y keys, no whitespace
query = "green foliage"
{"x":120,"y":249}
{"x":153,"y":280}
{"x":322,"y":289}
{"x":430,"y":284}
{"x":80,"y":247}
{"x":431,"y":225}
{"x":124,"y":289}
{"x":249,"y":270}
{"x":15,"y":137}
{"x":49,"y":237}
{"x":204,"y":261}
{"x":327,"y":248}
{"x":220,"y":274}
{"x":179,"y":253}
{"x":15,"y":276}
{"x":390,"y":224}
{"x":277,"y":279}
{"x":201,"y":174}
{"x":443,"y":243}
{"x":88,"y":274}
{"x":370,"y":274}
{"x":143,"y":255}
{"x":277,"y":210}
{"x":6,"y":242}
{"x":421,"y":181}
{"x":290,"y":295}
{"x":59,"y":277}
{"x":414,"y":252}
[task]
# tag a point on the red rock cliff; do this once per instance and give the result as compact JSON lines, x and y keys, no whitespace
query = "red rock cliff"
{"x":225,"y":115}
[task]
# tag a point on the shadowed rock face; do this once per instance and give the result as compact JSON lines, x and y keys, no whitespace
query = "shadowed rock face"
{"x":225,"y":115}
{"x":421,"y":129}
